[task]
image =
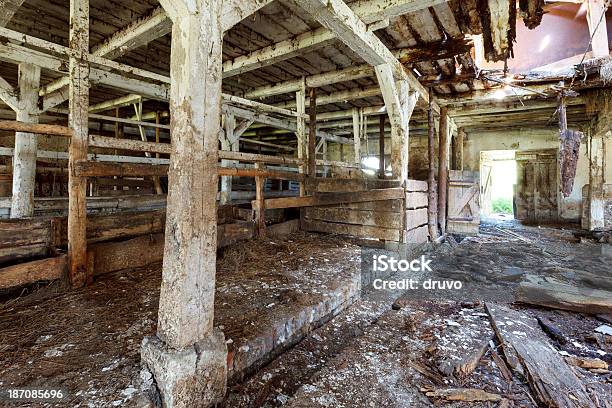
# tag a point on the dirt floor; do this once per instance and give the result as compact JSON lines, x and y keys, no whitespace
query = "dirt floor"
{"x":387,"y":349}
{"x":87,"y":341}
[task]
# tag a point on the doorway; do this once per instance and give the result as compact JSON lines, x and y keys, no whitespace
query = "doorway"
{"x":498,"y":176}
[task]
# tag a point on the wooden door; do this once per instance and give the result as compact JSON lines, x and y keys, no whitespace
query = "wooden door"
{"x":463,"y":202}
{"x":536,"y":186}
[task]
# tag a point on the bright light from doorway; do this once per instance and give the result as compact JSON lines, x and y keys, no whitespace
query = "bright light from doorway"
{"x":370,"y":162}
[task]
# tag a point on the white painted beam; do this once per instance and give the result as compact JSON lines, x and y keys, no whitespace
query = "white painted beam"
{"x":8,"y":8}
{"x":371,"y":11}
{"x":8,"y":95}
{"x":26,"y":144}
{"x":336,"y":16}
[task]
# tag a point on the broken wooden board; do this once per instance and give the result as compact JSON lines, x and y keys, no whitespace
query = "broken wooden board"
{"x":550,"y":378}
{"x":463,"y":394}
{"x":551,"y":293}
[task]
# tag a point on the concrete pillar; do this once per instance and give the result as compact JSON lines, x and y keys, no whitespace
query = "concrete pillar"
{"x":188,"y":357}
{"x":26,"y":144}
{"x":596,"y":183}
{"x":78,"y":119}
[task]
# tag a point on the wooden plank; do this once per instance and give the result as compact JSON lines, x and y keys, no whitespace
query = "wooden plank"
{"x":108,"y":169}
{"x":416,"y":218}
{"x":78,"y":121}
{"x":357,"y":217}
{"x":334,"y":198}
{"x":85,"y":168}
{"x":283,"y":229}
{"x":392,"y":206}
{"x":332,"y":185}
{"x":133,"y":253}
{"x":416,"y":186}
{"x":362,"y":231}
{"x":55,"y":130}
{"x":553,"y":382}
{"x":30,"y":272}
{"x":416,"y":200}
{"x":228,"y":234}
{"x":550,"y":293}
{"x":418,"y":235}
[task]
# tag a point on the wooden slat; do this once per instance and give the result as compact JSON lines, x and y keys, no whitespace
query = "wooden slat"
{"x":30,"y":272}
{"x":416,"y":218}
{"x":16,"y":126}
{"x":334,"y":198}
{"x":416,"y":200}
{"x":418,"y":235}
{"x":362,"y":231}
{"x":356,"y":217}
{"x":332,"y":185}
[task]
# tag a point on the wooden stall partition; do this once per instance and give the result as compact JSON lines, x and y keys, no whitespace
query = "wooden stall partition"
{"x":463,"y":202}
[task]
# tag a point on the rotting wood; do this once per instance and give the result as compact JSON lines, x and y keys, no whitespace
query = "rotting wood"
{"x":36,"y":128}
{"x":78,"y":121}
{"x":553,"y":294}
{"x":551,"y":380}
{"x":432,"y":199}
{"x":501,"y":365}
{"x":443,"y":169}
{"x":107,"y":169}
{"x":320,"y":199}
{"x":26,"y":144}
{"x":29,"y":272}
{"x":312,"y":134}
{"x":463,"y":394}
{"x":381,"y":148}
{"x":260,"y":213}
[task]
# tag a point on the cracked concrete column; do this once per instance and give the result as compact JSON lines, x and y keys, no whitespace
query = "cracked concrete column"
{"x":188,"y":357}
{"x":596,"y":183}
{"x":26,"y":144}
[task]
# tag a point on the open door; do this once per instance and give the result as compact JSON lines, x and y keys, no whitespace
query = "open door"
{"x":486,"y":183}
{"x":463,"y":202}
{"x":537,"y":186}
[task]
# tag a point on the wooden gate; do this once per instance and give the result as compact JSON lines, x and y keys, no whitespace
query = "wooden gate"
{"x":536,"y":186}
{"x":463,"y":202}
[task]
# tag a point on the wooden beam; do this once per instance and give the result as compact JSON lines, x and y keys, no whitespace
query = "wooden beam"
{"x":336,"y":16}
{"x":312,"y":134}
{"x":26,"y":144}
{"x":410,"y":55}
{"x":381,"y":148}
{"x":78,"y":122}
{"x":8,"y":95}
{"x":432,"y":199}
{"x":17,"y":126}
{"x":235,"y":11}
{"x":333,"y":198}
{"x":357,"y":135}
{"x":443,"y":169}
{"x":400,"y":105}
{"x":8,"y":8}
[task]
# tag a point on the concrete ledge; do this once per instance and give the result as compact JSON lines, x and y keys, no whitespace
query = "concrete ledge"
{"x":195,"y":376}
{"x":249,"y":356}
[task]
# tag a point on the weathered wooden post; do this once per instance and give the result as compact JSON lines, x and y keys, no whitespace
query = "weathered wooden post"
{"x":187,"y":356}
{"x":260,"y":213}
{"x":300,"y":97}
{"x":26,"y":144}
{"x":432,"y":200}
{"x":381,"y":148}
{"x":312,"y":134}
{"x":442,"y":168}
{"x":78,"y":120}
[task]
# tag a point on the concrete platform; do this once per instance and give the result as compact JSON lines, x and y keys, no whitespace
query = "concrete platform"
{"x":269,"y":295}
